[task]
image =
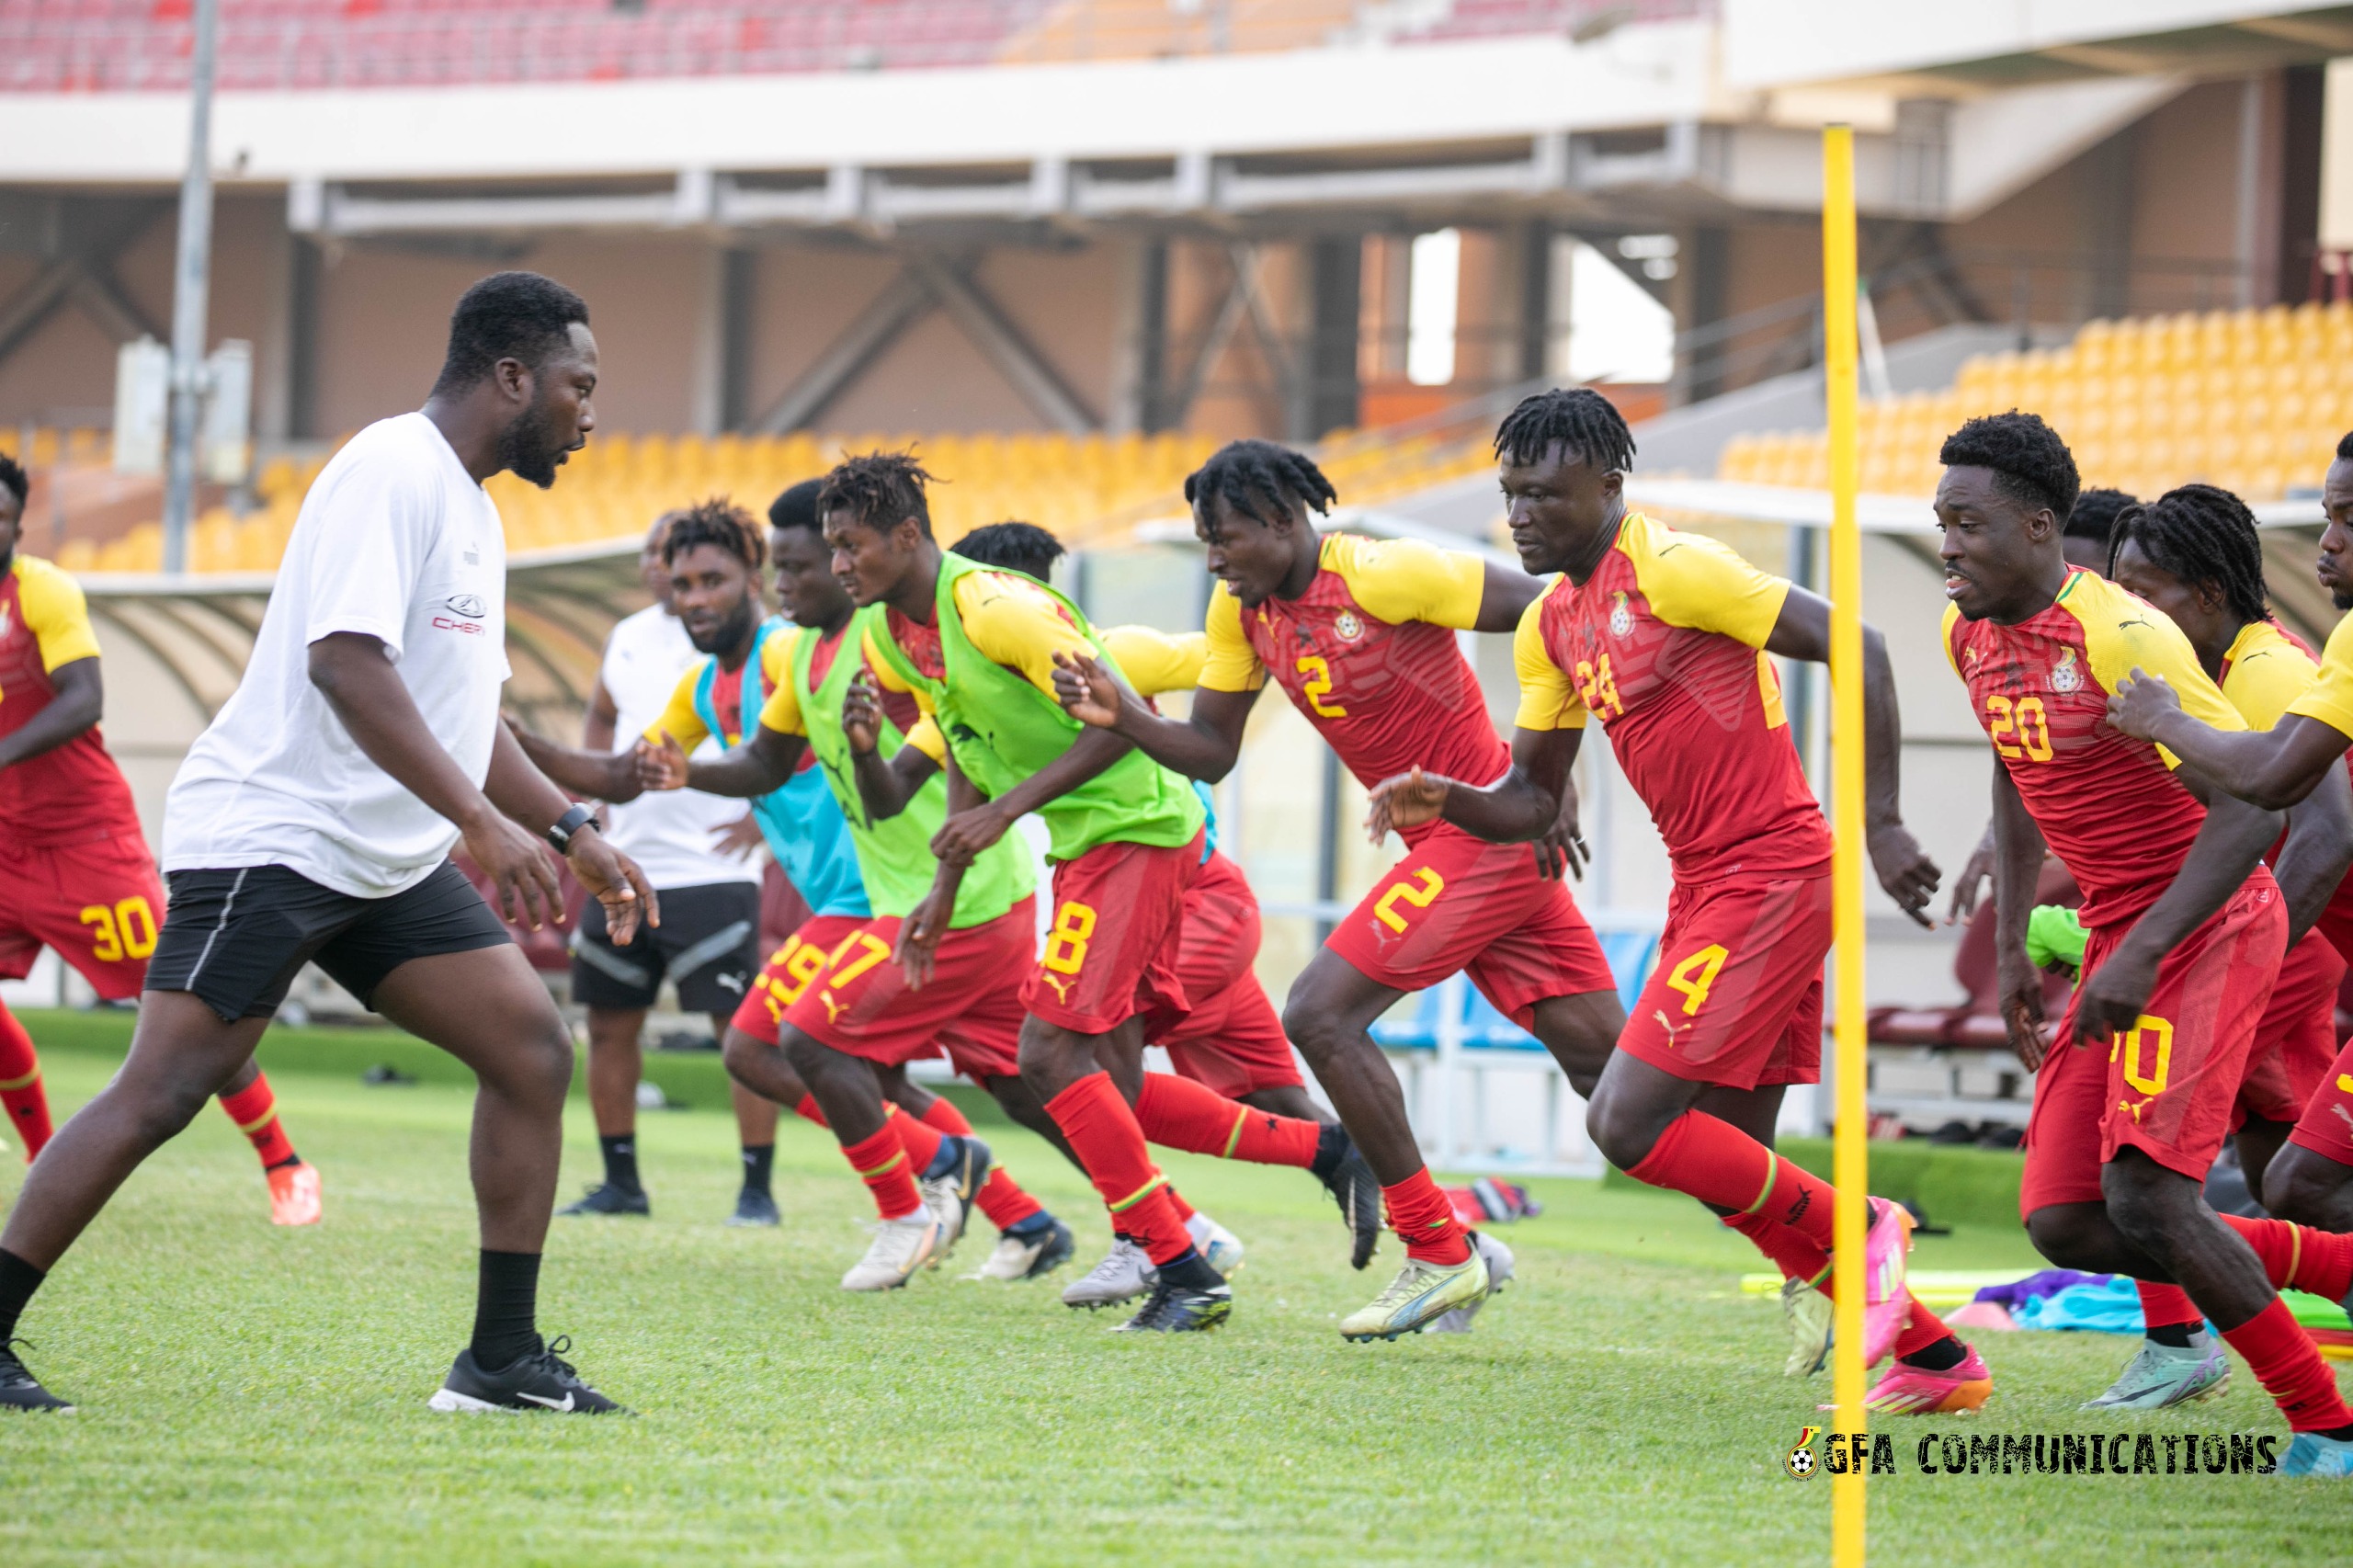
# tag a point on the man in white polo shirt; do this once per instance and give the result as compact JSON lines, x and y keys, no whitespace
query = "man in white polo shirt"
{"x":314,"y":821}
{"x":708,"y":945}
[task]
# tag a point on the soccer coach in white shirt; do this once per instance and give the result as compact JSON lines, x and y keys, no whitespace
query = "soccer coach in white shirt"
{"x":314,"y":821}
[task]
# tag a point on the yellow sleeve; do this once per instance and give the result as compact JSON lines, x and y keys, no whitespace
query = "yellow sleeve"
{"x":1404,"y":579}
{"x":2122,"y":635}
{"x":1012,"y":622}
{"x":1156,"y":662}
{"x":925,"y":738}
{"x":1229,"y":663}
{"x":1548,"y":700}
{"x":885,"y":671}
{"x":2267,"y":673}
{"x":2330,"y":698}
{"x":680,"y":720}
{"x":782,"y":712}
{"x":55,"y":613}
{"x":1704,"y":584}
{"x":1944,"y":637}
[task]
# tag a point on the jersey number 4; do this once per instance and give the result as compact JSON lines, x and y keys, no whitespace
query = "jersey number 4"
{"x":2022,"y":721}
{"x":128,"y":929}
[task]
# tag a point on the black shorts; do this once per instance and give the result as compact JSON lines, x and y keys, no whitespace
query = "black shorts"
{"x":708,"y":943}
{"x":235,"y":938}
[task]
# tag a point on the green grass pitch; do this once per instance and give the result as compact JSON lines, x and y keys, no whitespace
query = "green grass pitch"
{"x":251,"y":1395}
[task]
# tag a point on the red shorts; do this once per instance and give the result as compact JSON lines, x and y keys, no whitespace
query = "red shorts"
{"x":1119,"y":924}
{"x":2166,"y":1087}
{"x":1456,"y":904}
{"x":970,"y":1008}
{"x":2326,"y":1125}
{"x":2296,"y":1042}
{"x":1230,"y":1040}
{"x":788,"y":973}
{"x":1737,"y":998}
{"x":99,"y":902}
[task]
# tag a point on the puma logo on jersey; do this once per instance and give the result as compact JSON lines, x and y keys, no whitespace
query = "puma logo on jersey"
{"x":733,"y":981}
{"x":833,"y":1007}
{"x":1061,"y":987}
{"x":2134,"y":1107}
{"x":1669,"y":1026}
{"x":2342,"y":1114}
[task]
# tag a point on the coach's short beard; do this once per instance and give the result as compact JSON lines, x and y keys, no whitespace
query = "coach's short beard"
{"x":529,"y":445}
{"x":2341,"y":597}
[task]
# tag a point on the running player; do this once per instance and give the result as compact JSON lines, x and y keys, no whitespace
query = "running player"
{"x":2186,"y":927}
{"x":976,"y":648}
{"x":835,"y":990}
{"x":75,"y":870}
{"x":314,"y":820}
{"x":1229,"y":1039}
{"x":1663,"y":636}
{"x":1362,"y":636}
{"x":2194,"y":554}
{"x":709,"y":943}
{"x":2086,"y":545}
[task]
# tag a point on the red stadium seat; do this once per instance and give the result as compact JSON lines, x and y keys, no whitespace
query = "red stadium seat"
{"x":1975,"y":1024}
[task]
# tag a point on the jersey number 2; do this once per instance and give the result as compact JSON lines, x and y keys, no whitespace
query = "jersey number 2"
{"x":1318,"y":686}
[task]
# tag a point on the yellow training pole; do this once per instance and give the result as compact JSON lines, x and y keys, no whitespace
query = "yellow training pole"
{"x":1851,"y":1166}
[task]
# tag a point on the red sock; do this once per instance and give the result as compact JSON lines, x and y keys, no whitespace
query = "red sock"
{"x":922,"y":1142}
{"x":254,"y":1110}
{"x":1795,"y":1256}
{"x":1178,"y":1113}
{"x":1176,"y":1201}
{"x":2168,"y":1306}
{"x":1717,"y":1163}
{"x":2286,"y":1362}
{"x":20,"y":1092}
{"x":2299,"y":1258}
{"x":1423,"y":1219}
{"x":808,"y":1110}
{"x":942,"y":1115}
{"x":1103,"y":1132}
{"x":881,"y":1163}
{"x":1925,"y":1329}
{"x":1000,"y":1198}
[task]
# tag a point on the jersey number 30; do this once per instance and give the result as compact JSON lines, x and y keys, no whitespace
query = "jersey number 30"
{"x":126,"y":930}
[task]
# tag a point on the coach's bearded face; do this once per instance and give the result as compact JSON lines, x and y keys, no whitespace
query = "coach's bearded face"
{"x":532,"y":444}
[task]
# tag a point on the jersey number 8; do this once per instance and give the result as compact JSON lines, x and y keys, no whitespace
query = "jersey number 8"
{"x":1066,"y":941}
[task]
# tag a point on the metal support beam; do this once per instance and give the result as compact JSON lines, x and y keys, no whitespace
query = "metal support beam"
{"x":994,"y":333}
{"x":903,"y":301}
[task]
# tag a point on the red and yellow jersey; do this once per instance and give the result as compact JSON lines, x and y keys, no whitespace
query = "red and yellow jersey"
{"x":1368,"y":654}
{"x":2265,"y":670}
{"x":74,"y":792}
{"x":1005,"y":619}
{"x":2109,"y":805}
{"x":1156,"y":662}
{"x":2329,"y":698}
{"x":1665,"y":644}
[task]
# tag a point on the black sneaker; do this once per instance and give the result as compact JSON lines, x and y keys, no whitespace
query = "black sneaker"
{"x":1353,"y":1186}
{"x":541,"y":1381}
{"x":754,"y":1207}
{"x":19,"y":1389}
{"x":605,"y":1198}
{"x":1173,"y":1309}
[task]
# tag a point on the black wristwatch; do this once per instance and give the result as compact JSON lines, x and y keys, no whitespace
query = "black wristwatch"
{"x":566,"y":828}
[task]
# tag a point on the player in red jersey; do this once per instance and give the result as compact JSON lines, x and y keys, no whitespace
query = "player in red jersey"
{"x":2186,"y":926}
{"x":1663,"y":636}
{"x":2194,"y":554}
{"x":75,"y":870}
{"x":1363,"y":636}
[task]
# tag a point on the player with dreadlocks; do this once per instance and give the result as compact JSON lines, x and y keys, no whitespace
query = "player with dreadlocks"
{"x":1663,"y":636}
{"x":2194,"y":554}
{"x":975,"y":648}
{"x":1361,"y":635}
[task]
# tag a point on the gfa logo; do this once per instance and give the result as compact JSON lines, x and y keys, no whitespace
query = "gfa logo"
{"x":1800,"y":1461}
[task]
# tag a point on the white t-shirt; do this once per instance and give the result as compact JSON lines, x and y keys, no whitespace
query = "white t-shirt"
{"x":396,"y":540}
{"x":667,"y":833}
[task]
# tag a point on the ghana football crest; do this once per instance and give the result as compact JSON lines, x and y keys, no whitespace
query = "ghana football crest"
{"x":1621,"y":620}
{"x":1346,"y":627}
{"x":1800,"y":1461}
{"x":2064,"y":676}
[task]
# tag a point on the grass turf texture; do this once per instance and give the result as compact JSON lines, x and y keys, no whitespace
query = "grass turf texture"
{"x":257,"y":1394}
